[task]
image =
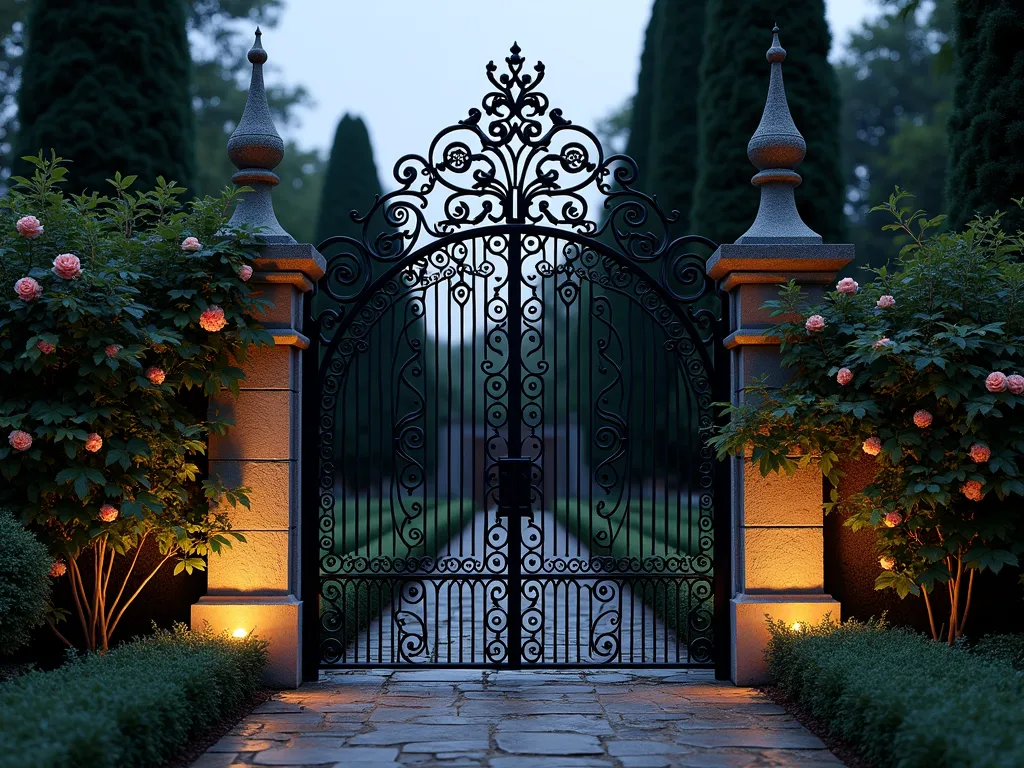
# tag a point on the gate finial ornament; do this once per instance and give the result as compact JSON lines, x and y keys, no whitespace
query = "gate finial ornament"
{"x":776,"y":149}
{"x":256,"y":148}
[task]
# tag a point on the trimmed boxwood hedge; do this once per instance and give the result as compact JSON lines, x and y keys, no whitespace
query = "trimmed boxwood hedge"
{"x":138,"y":705}
{"x":899,"y":698}
{"x":24,"y":583}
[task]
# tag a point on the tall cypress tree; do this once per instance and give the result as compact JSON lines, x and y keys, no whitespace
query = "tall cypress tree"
{"x":680,"y":28}
{"x":733,"y":87}
{"x":638,"y":146}
{"x":350,"y":182}
{"x":106,"y":85}
{"x":986,"y":132}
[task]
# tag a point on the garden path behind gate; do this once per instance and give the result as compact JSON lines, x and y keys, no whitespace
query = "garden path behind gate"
{"x":518,"y":719}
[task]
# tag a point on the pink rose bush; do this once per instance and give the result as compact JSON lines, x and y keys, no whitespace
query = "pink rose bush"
{"x":848,"y":286}
{"x":20,"y":440}
{"x":28,"y":289}
{"x":938,"y":406}
{"x":102,"y":449}
{"x":212,"y":319}
{"x":995,"y":381}
{"x":980,"y":453}
{"x":29,"y":227}
{"x":67,"y":266}
{"x":972,"y":490}
{"x":245,"y":272}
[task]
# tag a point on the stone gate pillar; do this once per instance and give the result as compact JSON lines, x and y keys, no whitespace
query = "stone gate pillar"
{"x":777,"y":521}
{"x":254,"y":587}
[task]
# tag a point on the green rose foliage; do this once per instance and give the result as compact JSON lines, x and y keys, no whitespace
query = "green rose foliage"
{"x":135,"y":306}
{"x":958,"y":316}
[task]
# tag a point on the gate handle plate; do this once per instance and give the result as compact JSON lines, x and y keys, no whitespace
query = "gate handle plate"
{"x":514,"y":487}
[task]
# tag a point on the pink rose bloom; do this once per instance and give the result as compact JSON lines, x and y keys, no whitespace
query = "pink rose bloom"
{"x":972,"y":490}
{"x":845,"y":376}
{"x":922,"y":419}
{"x":112,"y":350}
{"x":191,"y":244}
{"x":872,"y":446}
{"x":58,"y":569}
{"x":995,"y":381}
{"x":245,"y":272}
{"x":848,"y":286}
{"x":893,"y":519}
{"x":108,"y":513}
{"x":1015,"y":383}
{"x":882,"y":343}
{"x":212,"y":319}
{"x":45,"y":347}
{"x":67,"y":266}
{"x":28,"y":289}
{"x":156,"y":375}
{"x":29,"y":227}
{"x":980,"y":453}
{"x":815,"y":323}
{"x":20,"y":440}
{"x":884,"y":302}
{"x":887,"y":563}
{"x":93,"y":442}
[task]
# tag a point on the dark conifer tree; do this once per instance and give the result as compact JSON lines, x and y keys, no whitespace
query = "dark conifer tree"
{"x":734,"y":84}
{"x":106,"y":85}
{"x":673,"y":141}
{"x":986,"y":139}
{"x":638,"y":146}
{"x":350,"y":183}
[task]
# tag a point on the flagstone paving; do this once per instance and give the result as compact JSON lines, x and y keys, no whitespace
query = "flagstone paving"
{"x":518,"y":719}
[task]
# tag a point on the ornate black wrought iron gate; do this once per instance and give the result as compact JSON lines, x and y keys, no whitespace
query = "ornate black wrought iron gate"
{"x":506,"y":453}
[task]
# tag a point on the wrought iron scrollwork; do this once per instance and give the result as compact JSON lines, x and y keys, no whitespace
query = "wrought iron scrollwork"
{"x":513,"y":200}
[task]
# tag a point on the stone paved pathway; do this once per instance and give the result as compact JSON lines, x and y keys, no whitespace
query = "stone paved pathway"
{"x":510,"y":719}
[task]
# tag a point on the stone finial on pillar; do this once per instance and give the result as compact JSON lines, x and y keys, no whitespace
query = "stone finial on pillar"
{"x":776,"y":521}
{"x":256,"y":149}
{"x":776,"y":149}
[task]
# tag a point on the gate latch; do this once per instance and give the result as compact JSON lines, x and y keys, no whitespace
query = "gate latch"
{"x":514,"y":487}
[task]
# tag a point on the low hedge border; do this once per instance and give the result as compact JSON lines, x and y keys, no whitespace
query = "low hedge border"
{"x":138,"y":705}
{"x":900,"y":699}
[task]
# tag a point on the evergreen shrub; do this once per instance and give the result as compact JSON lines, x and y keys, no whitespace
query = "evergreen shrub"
{"x":24,"y":583}
{"x":899,"y":698}
{"x":137,"y":705}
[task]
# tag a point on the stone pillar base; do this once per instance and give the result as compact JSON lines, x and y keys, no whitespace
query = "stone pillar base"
{"x":750,"y":632}
{"x":275,"y":619}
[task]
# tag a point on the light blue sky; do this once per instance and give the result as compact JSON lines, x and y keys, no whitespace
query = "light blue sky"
{"x":412,"y":67}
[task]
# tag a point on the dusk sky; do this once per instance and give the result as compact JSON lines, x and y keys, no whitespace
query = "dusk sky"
{"x":412,"y":67}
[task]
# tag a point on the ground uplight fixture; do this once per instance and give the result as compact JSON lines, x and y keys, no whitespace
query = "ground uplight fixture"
{"x":240,"y":633}
{"x":797,"y":626}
